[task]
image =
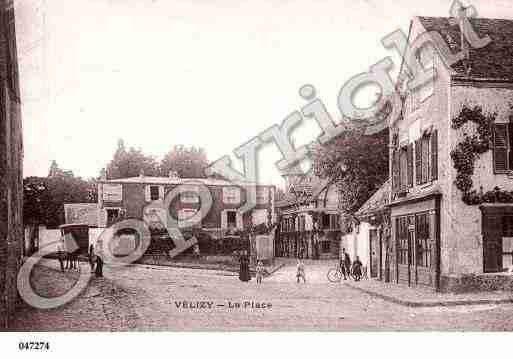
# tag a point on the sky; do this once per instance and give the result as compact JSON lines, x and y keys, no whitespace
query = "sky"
{"x":212,"y":74}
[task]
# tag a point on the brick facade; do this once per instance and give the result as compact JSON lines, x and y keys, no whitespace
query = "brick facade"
{"x":11,"y":180}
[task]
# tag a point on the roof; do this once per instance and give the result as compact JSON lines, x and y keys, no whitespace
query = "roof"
{"x":310,"y":186}
{"x":492,"y":62}
{"x":176,"y":180}
{"x":377,"y":202}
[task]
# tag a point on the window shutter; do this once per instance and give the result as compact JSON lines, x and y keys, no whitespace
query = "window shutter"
{"x":224,"y":220}
{"x":425,"y":159}
{"x":418,"y":161}
{"x":147,"y":193}
{"x":161,"y":192}
{"x":500,"y":147}
{"x":409,"y":159}
{"x":395,"y":171}
{"x":510,"y":135}
{"x":434,"y":155}
{"x":238,"y":219}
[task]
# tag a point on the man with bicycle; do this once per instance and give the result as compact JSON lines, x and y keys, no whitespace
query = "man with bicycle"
{"x":345,"y":264}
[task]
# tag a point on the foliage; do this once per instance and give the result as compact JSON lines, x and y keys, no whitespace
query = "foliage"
{"x":44,"y":197}
{"x":188,"y":162}
{"x":356,"y":162}
{"x":470,"y":148}
{"x":130,"y":163}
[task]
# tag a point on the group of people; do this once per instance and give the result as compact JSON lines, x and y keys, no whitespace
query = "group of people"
{"x":349,"y":269}
{"x":69,"y":260}
{"x":244,"y":274}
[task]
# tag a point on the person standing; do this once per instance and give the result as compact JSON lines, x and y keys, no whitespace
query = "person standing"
{"x":60,"y":255}
{"x":92,"y":258}
{"x":259,"y":272}
{"x":300,"y":271}
{"x":345,"y":263}
{"x":357,"y":269}
{"x":99,"y":259}
{"x":99,"y":266}
{"x":244,"y":275}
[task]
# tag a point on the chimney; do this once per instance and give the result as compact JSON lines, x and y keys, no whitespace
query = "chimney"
{"x":463,"y":40}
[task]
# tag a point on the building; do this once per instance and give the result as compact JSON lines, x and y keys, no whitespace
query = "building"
{"x":308,"y":218}
{"x":143,"y":197}
{"x":11,"y":163}
{"x":366,"y":234}
{"x":451,"y":163}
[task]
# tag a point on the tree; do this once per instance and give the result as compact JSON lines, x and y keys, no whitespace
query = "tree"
{"x":44,"y":197}
{"x":188,"y":162}
{"x":356,"y":162}
{"x":130,"y":163}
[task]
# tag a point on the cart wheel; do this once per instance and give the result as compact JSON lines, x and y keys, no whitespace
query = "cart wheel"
{"x":334,"y":275}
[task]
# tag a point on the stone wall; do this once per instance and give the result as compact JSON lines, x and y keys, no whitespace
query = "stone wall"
{"x":11,"y":180}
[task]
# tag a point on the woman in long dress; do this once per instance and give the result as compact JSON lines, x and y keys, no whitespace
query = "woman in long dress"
{"x":244,"y":267}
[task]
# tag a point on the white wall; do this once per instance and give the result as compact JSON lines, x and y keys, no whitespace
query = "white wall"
{"x":357,"y":244}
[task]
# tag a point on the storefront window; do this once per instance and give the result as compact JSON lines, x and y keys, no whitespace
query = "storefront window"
{"x":402,"y":240}
{"x":423,"y":240}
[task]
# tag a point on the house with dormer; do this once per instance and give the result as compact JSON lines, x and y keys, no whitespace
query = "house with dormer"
{"x":308,"y":217}
{"x":451,"y":162}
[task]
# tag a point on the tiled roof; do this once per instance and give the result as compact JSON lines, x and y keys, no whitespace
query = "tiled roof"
{"x":175,"y":180}
{"x":494,"y":61}
{"x":311,"y":186}
{"x":377,"y":201}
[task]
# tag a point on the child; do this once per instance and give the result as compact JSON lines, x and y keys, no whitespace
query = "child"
{"x":259,"y":272}
{"x":300,"y":271}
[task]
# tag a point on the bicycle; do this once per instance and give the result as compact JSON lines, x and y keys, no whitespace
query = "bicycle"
{"x":335,"y":274}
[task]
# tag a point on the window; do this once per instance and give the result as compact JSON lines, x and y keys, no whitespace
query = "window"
{"x":325,"y":246}
{"x":402,"y":168}
{"x":231,"y":195}
{"x":423,"y":240}
{"x":301,"y":223}
{"x":426,"y":158}
{"x":325,"y":221}
{"x":154,"y":193}
{"x":502,"y":147}
{"x":402,"y":240}
{"x":185,"y":217}
{"x":262,"y":195}
{"x":189,"y":194}
{"x":231,"y":219}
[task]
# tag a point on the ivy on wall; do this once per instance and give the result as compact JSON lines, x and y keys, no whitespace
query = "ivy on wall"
{"x":469,"y":150}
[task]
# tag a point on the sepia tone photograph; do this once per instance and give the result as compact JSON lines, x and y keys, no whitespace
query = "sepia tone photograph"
{"x":255,"y":166}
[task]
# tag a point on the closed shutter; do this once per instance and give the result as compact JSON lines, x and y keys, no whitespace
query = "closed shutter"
{"x":238,"y":219}
{"x":147,"y":193}
{"x":161,"y":192}
{"x":395,"y":171}
{"x":425,"y":160}
{"x":434,"y":155}
{"x":418,"y":161}
{"x":500,"y":147}
{"x":224,"y":220}
{"x":409,"y":160}
{"x":510,"y":154}
{"x":492,"y":246}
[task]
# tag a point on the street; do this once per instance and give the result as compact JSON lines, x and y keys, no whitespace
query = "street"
{"x":142,"y":297}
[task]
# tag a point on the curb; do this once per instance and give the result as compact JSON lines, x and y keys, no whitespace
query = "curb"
{"x":418,"y":304}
